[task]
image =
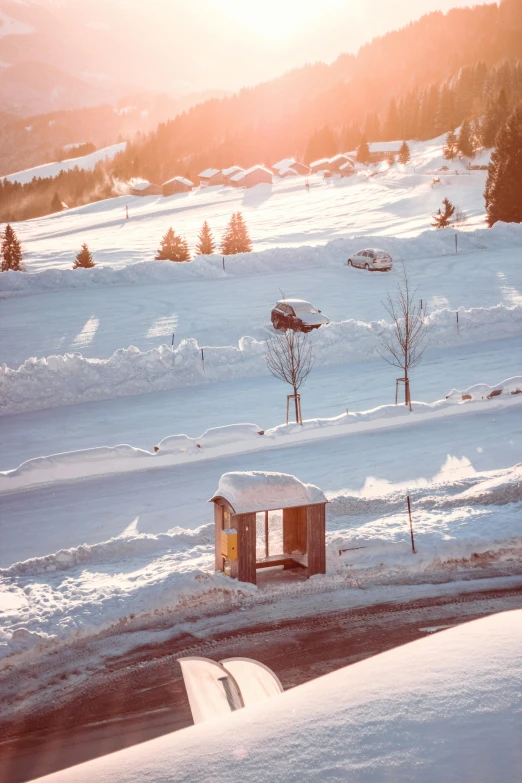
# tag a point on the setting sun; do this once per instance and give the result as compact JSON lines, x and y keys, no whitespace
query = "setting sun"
{"x":271,"y":19}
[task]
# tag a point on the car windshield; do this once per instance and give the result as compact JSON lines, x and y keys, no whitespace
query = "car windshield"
{"x":381,"y":253}
{"x":303,"y":307}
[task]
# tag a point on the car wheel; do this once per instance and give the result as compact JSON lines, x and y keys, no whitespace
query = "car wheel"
{"x":367,"y":267}
{"x":350,"y":262}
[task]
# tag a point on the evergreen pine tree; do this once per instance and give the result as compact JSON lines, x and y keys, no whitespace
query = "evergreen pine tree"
{"x":363,"y":152}
{"x":391,"y":126}
{"x":173,"y":248}
{"x":84,"y":259}
{"x":206,"y":245}
{"x":56,"y":203}
{"x":236,"y":238}
{"x":464,"y":141}
{"x":404,"y":153}
{"x":11,"y":251}
{"x":449,"y":149}
{"x":503,"y":192}
{"x":442,"y":219}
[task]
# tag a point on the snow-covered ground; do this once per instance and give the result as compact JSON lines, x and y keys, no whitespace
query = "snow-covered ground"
{"x":87,"y":162}
{"x":97,"y":535}
{"x":377,"y":201}
{"x":446,"y":707}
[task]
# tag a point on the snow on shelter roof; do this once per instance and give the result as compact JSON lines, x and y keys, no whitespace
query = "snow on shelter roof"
{"x":258,"y":490}
{"x":208,"y":173}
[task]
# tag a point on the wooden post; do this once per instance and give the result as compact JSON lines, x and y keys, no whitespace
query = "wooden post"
{"x":203,"y":359}
{"x":411,"y":526}
{"x":267,"y":549}
{"x":456,"y":246}
{"x":458,"y":330}
{"x":173,"y":339}
{"x":223,"y":263}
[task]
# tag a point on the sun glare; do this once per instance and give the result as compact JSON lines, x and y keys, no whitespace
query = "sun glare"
{"x":272,"y":19}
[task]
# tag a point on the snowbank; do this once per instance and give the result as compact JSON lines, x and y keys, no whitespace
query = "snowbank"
{"x":428,"y":244}
{"x":227,"y":440}
{"x":72,"y":378}
{"x":446,"y":707}
{"x":461,"y":525}
{"x":481,"y":391}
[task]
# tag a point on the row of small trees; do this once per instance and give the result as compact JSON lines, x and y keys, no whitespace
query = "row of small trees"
{"x":175,"y":248}
{"x":236,"y":239}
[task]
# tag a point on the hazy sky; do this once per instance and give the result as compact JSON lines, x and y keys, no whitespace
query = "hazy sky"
{"x":183,"y":46}
{"x":247,"y":41}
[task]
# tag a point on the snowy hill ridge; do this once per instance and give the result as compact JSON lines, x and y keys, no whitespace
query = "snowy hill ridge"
{"x":72,"y":378}
{"x":428,"y":244}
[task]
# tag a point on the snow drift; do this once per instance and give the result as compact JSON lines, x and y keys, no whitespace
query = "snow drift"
{"x":72,"y":378}
{"x":428,"y":244}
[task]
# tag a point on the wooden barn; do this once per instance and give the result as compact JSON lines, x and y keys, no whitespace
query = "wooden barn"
{"x":290,"y":164}
{"x":382,"y":150}
{"x":145,"y":189}
{"x":323,"y":164}
{"x":238,"y":180}
{"x":176,"y":185}
{"x":285,"y":173}
{"x":347,"y":169}
{"x":210,"y":177}
{"x":257,"y":175}
{"x":264,"y":520}
{"x":338,"y":161}
{"x":231,"y":172}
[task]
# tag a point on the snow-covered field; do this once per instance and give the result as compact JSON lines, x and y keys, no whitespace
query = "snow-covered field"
{"x":446,"y":707}
{"x":96,"y":535}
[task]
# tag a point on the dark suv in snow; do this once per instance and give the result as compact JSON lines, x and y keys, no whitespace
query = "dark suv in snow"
{"x":298,"y":315}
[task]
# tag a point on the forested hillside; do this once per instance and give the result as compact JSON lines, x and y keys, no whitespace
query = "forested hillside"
{"x":417,"y":82}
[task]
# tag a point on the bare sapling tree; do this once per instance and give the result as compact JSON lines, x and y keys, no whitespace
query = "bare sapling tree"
{"x":403,"y":346}
{"x":289,"y":358}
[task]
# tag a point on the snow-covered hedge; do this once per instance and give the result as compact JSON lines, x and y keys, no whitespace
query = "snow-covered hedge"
{"x":72,"y":378}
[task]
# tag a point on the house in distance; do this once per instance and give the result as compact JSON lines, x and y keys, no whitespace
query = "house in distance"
{"x":289,"y":167}
{"x":145,"y":189}
{"x":231,"y":172}
{"x":257,"y":175}
{"x":210,"y":177}
{"x":176,"y":185}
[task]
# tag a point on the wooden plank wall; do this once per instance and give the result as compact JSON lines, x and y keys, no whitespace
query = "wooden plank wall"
{"x":316,"y":517}
{"x":295,"y":530}
{"x":245,"y":525}
{"x":218,"y":527}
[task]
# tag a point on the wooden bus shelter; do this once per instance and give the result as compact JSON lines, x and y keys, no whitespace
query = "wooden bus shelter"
{"x":244,"y":500}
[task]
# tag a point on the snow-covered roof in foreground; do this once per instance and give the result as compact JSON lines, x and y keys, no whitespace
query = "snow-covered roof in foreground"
{"x":447,"y":707}
{"x":208,"y":173}
{"x":261,"y":491}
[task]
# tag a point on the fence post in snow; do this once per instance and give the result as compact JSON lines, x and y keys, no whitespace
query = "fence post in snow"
{"x":203,"y":359}
{"x":173,"y":340}
{"x":223,"y":263}
{"x":411,"y":526}
{"x":456,"y":243}
{"x":458,"y":330}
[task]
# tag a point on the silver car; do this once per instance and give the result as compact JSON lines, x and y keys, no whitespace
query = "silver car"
{"x":372,"y":259}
